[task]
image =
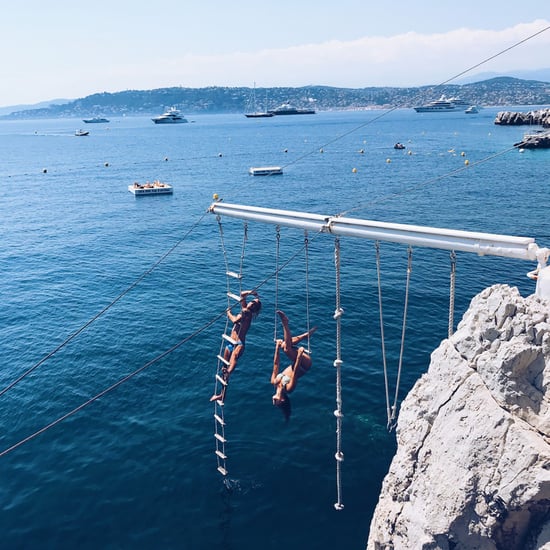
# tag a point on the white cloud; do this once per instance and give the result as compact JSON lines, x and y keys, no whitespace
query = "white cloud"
{"x":408,"y":59}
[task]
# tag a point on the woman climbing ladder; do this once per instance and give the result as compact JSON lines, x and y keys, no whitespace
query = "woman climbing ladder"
{"x":241,"y":323}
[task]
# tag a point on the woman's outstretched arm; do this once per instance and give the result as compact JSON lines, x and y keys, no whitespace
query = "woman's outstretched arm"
{"x":275,"y":371}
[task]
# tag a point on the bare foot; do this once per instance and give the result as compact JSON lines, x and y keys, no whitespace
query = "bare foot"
{"x":216,"y":397}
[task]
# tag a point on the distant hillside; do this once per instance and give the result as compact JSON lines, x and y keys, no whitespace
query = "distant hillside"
{"x":495,"y":91}
{"x":41,"y":105}
{"x":542,"y":75}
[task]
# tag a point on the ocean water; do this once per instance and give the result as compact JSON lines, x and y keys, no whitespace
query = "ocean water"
{"x":99,"y":284}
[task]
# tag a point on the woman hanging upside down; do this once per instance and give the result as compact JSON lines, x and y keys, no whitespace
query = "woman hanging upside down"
{"x":284,"y":382}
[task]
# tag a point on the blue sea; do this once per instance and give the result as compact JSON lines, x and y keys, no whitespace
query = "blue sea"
{"x":112,"y":310}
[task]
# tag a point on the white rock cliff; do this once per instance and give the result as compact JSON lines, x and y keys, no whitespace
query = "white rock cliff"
{"x":472,"y":468}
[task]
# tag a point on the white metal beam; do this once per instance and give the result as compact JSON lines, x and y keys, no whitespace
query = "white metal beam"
{"x":523,"y":248}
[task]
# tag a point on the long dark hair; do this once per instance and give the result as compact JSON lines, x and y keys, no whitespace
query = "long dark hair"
{"x":256,"y":308}
{"x":285,"y":407}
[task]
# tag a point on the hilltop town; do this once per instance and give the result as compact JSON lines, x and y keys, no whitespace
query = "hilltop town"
{"x":495,"y":91}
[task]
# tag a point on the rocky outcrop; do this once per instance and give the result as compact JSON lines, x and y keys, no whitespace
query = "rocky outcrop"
{"x":537,"y":140}
{"x":472,"y":468}
{"x":509,"y":118}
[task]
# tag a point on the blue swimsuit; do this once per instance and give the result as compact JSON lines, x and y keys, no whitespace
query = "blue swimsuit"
{"x":231,"y":347}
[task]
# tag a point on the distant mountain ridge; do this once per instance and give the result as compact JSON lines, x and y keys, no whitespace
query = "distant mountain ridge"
{"x":542,"y":75}
{"x":501,"y":90}
{"x":32,"y":106}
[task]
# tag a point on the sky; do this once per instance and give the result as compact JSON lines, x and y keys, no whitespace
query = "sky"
{"x":70,"y":49}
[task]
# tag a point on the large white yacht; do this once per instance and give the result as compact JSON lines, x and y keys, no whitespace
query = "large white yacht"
{"x":287,"y":109}
{"x":171,"y":116}
{"x":441,"y":105}
{"x":96,"y":120}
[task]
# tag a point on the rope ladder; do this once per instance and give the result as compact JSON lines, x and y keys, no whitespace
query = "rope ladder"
{"x":233,"y":278}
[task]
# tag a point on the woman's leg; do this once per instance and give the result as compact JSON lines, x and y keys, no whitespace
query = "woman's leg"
{"x":235,"y":354}
{"x":298,"y":339}
{"x":287,"y":335}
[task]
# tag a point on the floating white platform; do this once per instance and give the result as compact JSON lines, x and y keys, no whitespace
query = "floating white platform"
{"x":265,"y":170}
{"x":155,"y":188}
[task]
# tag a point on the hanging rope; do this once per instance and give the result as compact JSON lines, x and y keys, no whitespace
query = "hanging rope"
{"x":277,"y":255}
{"x":339,"y":456}
{"x":220,"y":227}
{"x":277,"y":269}
{"x":403,"y":330}
{"x":306,"y":253}
{"x":241,"y":263}
{"x":226,"y":261}
{"x":452,"y":293}
{"x":391,"y":409}
{"x":228,"y":272}
{"x":382,"y":339}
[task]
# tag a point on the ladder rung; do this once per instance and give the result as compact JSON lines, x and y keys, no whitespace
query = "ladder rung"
{"x":222,"y":470}
{"x":229,"y":339}
{"x":220,"y":438}
{"x":219,"y":402}
{"x":221,"y":380}
{"x":234,"y":296}
{"x":221,"y":455}
{"x":219,"y":419}
{"x":223,"y":360}
{"x":233,"y":274}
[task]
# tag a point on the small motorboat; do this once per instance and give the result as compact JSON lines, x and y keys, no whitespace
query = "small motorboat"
{"x":81,"y":133}
{"x":399,"y":145}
